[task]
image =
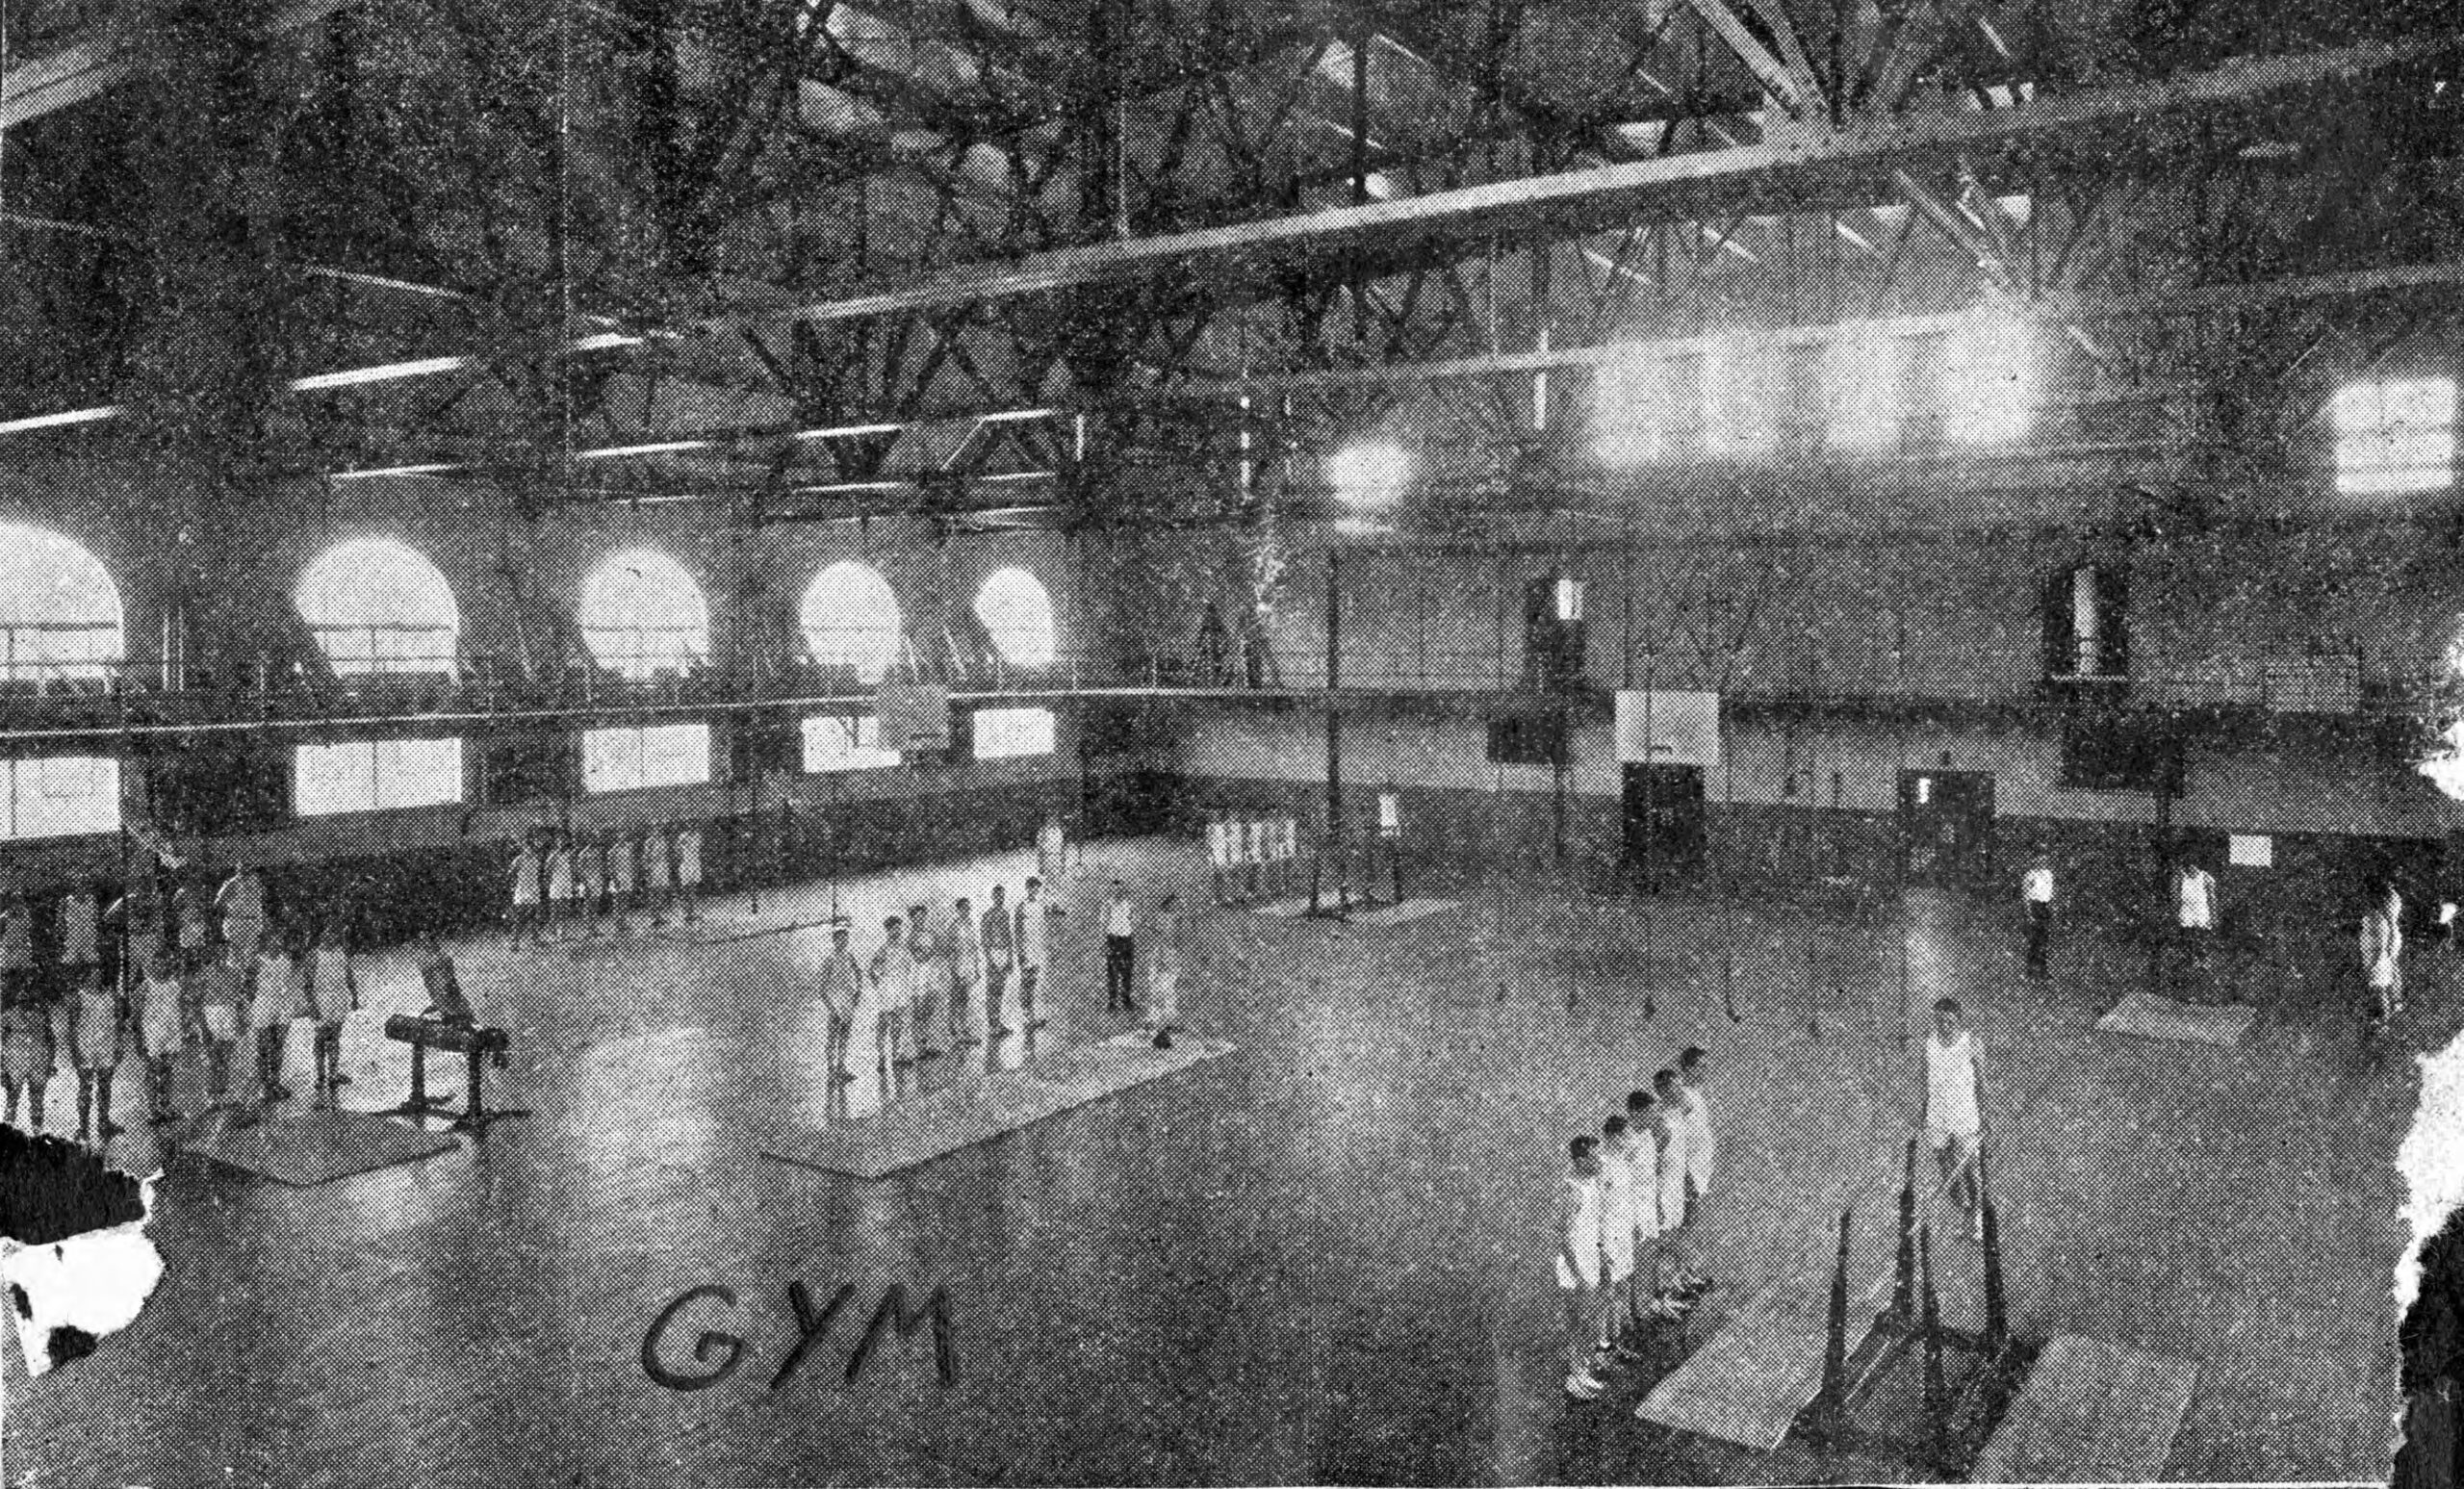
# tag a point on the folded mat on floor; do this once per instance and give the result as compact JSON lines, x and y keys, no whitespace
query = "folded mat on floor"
{"x":921,"y":1128}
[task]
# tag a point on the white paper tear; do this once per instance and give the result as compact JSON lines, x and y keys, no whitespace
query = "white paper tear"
{"x":97,"y":1282}
{"x":2431,"y":1158}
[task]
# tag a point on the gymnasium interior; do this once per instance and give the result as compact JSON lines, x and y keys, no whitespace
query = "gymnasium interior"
{"x":1506,"y":539}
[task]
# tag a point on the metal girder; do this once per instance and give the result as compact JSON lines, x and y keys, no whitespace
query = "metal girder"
{"x":1610,"y":195}
{"x":1793,"y":87}
{"x":85,"y":69}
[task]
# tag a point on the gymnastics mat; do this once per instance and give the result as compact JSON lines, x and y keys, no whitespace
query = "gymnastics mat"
{"x":712,"y":930}
{"x":919,"y":1129}
{"x":312,"y":1145}
{"x":2162,"y":1018}
{"x":1401,"y":915}
{"x":1748,"y":1383}
{"x":2090,"y":1413}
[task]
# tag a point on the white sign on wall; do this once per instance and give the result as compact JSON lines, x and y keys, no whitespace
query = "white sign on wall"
{"x":1668,"y":729}
{"x":2247,"y":850}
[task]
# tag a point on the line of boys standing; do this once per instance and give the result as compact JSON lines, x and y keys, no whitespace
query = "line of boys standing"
{"x":177,"y":982}
{"x":922,"y":990}
{"x":1628,"y":1197}
{"x":565,"y":882}
{"x":1254,"y":855}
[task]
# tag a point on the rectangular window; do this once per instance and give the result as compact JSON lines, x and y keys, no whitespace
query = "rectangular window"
{"x":1988,"y":381}
{"x":1733,"y":382}
{"x":1864,"y":371}
{"x":845,"y":742}
{"x":1636,"y":406}
{"x":1001,"y":733}
{"x":2395,"y":435}
{"x":376,"y":775}
{"x":629,"y":760}
{"x":62,"y":796}
{"x":1527,"y":738}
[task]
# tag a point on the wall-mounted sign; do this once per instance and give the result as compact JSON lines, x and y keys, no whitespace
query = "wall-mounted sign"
{"x":2250,"y":850}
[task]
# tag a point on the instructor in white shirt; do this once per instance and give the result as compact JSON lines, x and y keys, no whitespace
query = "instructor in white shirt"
{"x":2036,"y":899}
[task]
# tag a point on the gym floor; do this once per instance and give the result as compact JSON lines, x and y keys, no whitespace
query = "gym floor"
{"x":1322,"y":1260}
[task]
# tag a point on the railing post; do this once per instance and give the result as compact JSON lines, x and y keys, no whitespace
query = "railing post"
{"x":1903,"y":1295}
{"x":1831,"y":1406}
{"x":1996,"y":1321}
{"x":1938,"y":1391}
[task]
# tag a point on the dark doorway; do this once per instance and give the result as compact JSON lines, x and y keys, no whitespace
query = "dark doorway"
{"x":1946,"y":826}
{"x":1663,"y":822}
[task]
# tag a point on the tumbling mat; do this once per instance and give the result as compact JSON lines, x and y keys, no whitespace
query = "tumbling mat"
{"x":2162,"y":1018}
{"x":313,"y":1144}
{"x":1399,"y":915}
{"x":2090,"y":1413}
{"x":920,"y":1129}
{"x":713,"y":932}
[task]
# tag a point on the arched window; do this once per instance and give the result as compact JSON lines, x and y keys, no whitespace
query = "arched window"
{"x":1016,"y":609}
{"x":642,"y":614}
{"x":379,"y":606}
{"x":850,"y":619}
{"x":60,"y":614}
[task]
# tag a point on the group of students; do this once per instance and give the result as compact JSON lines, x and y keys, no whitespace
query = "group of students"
{"x":1253,"y":854}
{"x":566,"y":883}
{"x":2196,"y":913}
{"x":1630,"y":1194}
{"x":181,"y":978}
{"x":935,"y":983}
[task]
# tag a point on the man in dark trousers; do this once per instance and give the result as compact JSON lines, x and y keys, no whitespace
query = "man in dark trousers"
{"x":2035,"y":898}
{"x":1121,"y":952}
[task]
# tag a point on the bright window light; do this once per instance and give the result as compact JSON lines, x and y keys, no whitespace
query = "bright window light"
{"x":1568,"y":592}
{"x":850,"y":619}
{"x":1988,"y":380}
{"x":376,"y":775}
{"x":845,"y":742}
{"x":642,"y":614}
{"x":1634,"y":408}
{"x":629,"y":760}
{"x":1864,"y":371}
{"x":1003,"y":733}
{"x":1735,"y":383}
{"x":375,"y":605}
{"x":60,"y":612}
{"x":1374,"y":473}
{"x":2395,"y":435}
{"x":61,"y":796}
{"x":1016,"y":610}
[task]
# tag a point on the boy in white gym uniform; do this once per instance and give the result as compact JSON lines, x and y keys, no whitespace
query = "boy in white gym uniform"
{"x":1581,"y":1264}
{"x":1702,"y":1147}
{"x":1642,"y":1158}
{"x":892,"y":972}
{"x":159,"y":1030}
{"x":1953,"y":1073}
{"x":1617,"y":1229}
{"x":963,"y":945}
{"x":688,"y":870}
{"x":1035,"y":947}
{"x":1219,"y":857}
{"x":928,"y":985}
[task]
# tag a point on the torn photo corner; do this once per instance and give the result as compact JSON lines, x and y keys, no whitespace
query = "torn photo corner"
{"x":75,"y":1259}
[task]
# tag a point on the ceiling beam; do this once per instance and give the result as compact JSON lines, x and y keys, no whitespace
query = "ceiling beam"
{"x":103,"y":60}
{"x":1593,"y":200}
